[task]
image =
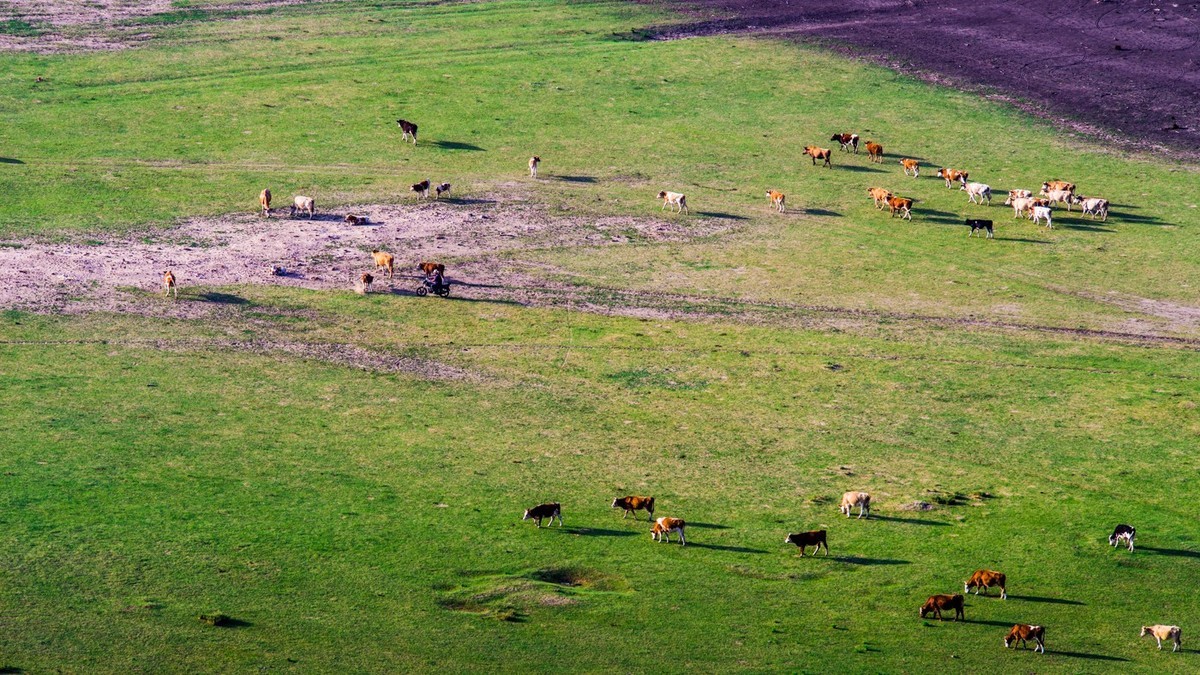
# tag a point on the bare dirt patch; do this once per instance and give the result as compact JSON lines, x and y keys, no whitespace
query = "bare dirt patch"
{"x":1121,"y":70}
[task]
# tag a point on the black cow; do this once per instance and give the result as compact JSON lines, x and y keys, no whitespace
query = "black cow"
{"x":975,"y":224}
{"x":815,"y":538}
{"x":1122,"y":532}
{"x":408,"y":129}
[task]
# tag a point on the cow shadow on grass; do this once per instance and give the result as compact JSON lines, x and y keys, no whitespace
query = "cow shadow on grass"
{"x":858,"y":168}
{"x":10,"y":160}
{"x":1081,"y":226}
{"x":822,"y":212}
{"x":910,"y":521}
{"x":982,"y":622}
{"x":719,"y":547}
{"x":599,"y":532}
{"x":1131,"y":218}
{"x":455,"y":145}
{"x":1052,"y":601}
{"x":870,"y":562}
{"x":222,"y":298}
{"x":575,"y":179}
{"x":1175,"y":552}
{"x":1084,"y":655}
{"x":1023,"y":240}
{"x":936,"y":216}
{"x":708,"y":526}
{"x":719,"y":214}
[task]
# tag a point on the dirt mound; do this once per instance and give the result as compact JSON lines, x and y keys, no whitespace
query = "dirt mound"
{"x":1127,"y":68}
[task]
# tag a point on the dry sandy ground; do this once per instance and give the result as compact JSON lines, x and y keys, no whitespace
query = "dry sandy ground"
{"x":322,"y":253}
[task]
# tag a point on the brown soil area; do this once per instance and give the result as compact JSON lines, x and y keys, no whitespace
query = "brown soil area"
{"x":1120,"y":70}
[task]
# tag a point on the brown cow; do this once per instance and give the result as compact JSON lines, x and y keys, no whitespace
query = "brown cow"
{"x":911,"y":166}
{"x":814,"y":538}
{"x":819,"y":153}
{"x":875,"y":152}
{"x":952,"y":175}
{"x":880,"y":195}
{"x":633,"y":504}
{"x":1023,"y":632}
{"x":428,"y":268}
{"x":663,"y":527}
{"x":902,"y":204}
{"x":985,"y":579}
{"x":848,"y":141}
{"x":264,"y":203}
{"x":937,"y":603}
{"x":364,"y":283}
{"x":169,"y":284}
{"x":385,"y":261}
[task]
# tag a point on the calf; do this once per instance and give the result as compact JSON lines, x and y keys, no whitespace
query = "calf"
{"x":937,"y":603}
{"x":815,"y":538}
{"x":978,"y":191}
{"x":169,"y":284}
{"x":384,"y":261}
{"x":441,"y":189}
{"x":875,"y":152}
{"x":1023,"y":632}
{"x":953,"y":175}
{"x":1042,"y":213}
{"x":1017,"y":194}
{"x":901,"y":204}
{"x":674,"y":199}
{"x":663,"y":527}
{"x":1093,"y":206}
{"x":911,"y":167}
{"x":1160,"y":633}
{"x":1060,"y":197}
{"x":880,"y":195}
{"x":422,"y":189}
{"x":848,"y":141}
{"x":860,"y":499}
{"x":428,"y":268}
{"x":407,"y":130}
{"x":777,"y":198}
{"x":352,"y":219}
{"x":1124,"y":533}
{"x":303,"y":205}
{"x":533,"y":165}
{"x":1057,"y":185}
{"x":985,"y":579}
{"x":264,"y":203}
{"x":819,"y":153}
{"x":980,"y":225}
{"x":364,"y":283}
{"x":549,"y":510}
{"x":633,"y":504}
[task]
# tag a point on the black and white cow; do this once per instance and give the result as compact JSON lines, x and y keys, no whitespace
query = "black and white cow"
{"x":975,"y":224}
{"x":407,"y":129}
{"x":1122,"y":533}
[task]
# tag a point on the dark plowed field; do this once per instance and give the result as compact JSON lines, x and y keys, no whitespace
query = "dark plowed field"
{"x":1128,"y":67}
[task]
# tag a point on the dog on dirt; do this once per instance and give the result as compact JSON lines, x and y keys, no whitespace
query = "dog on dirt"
{"x":168,"y":281}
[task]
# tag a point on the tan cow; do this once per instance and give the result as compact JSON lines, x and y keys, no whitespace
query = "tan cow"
{"x":675,"y":199}
{"x":911,"y":167}
{"x":880,"y":196}
{"x":819,"y":153}
{"x":1160,"y":633}
{"x":777,"y":199}
{"x":264,"y":203}
{"x":384,"y":261}
{"x":303,"y":205}
{"x":860,"y":499}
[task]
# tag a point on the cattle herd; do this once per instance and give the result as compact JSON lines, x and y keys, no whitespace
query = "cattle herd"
{"x":981,"y":580}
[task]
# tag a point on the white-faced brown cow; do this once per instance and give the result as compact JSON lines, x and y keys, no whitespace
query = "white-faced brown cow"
{"x":663,"y":527}
{"x":1022,"y":632}
{"x":952,"y":176}
{"x":985,"y":579}
{"x":633,"y":504}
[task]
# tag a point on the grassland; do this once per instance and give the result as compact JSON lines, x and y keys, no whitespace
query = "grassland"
{"x":158,"y":469}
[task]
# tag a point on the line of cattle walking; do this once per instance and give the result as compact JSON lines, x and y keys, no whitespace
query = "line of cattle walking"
{"x":662,"y":528}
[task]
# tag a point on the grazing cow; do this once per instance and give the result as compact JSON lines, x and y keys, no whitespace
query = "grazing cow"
{"x":1160,"y":633}
{"x":1042,"y":213}
{"x":1056,"y":185}
{"x":880,"y":196}
{"x":633,"y":504}
{"x":815,"y":538}
{"x":860,"y":499}
{"x":985,"y":579}
{"x":1017,"y":194}
{"x":264,"y":203}
{"x":441,"y":189}
{"x":549,"y":510}
{"x":533,"y":165}
{"x":848,"y":141}
{"x":980,"y":225}
{"x":1022,"y":632}
{"x":911,"y":167}
{"x":953,"y":175}
{"x":663,"y":527}
{"x":303,"y":205}
{"x":937,"y":603}
{"x":901,"y":204}
{"x":352,"y":219}
{"x":169,"y":284}
{"x":777,"y":198}
{"x":977,"y":191}
{"x":819,"y":153}
{"x":384,"y":261}
{"x":422,"y":189}
{"x":875,"y":152}
{"x":407,"y":130}
{"x":1124,"y":533}
{"x":428,"y":268}
{"x":674,"y":199}
{"x":364,"y":283}
{"x":1060,"y":197}
{"x":1093,"y":206}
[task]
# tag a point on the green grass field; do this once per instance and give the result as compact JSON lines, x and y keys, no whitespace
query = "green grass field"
{"x":365,"y":521}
